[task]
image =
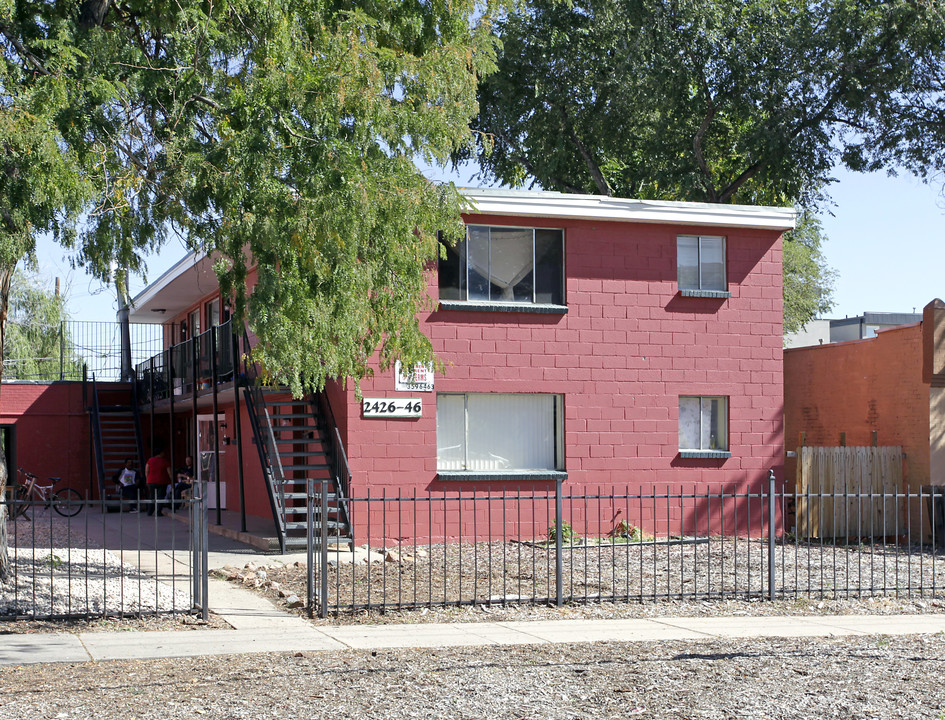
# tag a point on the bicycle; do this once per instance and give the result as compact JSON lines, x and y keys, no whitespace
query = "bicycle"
{"x":67,"y":502}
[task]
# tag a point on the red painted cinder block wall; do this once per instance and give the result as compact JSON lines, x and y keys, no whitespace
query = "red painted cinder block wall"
{"x":52,"y":431}
{"x":627,"y":348}
{"x":859,"y":387}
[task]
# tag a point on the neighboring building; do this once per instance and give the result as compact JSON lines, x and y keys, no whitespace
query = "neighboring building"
{"x":891,"y":383}
{"x":820,"y":332}
{"x":597,"y":340}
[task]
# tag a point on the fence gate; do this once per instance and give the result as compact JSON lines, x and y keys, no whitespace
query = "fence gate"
{"x":830,"y":485}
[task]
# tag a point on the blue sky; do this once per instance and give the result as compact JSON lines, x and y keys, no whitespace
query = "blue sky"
{"x":886,"y":240}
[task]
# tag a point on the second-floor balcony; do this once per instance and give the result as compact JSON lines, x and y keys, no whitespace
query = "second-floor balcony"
{"x":191,"y":366}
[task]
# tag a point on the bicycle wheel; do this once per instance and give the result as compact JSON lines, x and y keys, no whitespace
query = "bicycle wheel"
{"x":67,"y":502}
{"x":18,"y":506}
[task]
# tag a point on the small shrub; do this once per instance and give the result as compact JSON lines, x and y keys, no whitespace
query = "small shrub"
{"x":627,"y":532}
{"x":568,"y":536}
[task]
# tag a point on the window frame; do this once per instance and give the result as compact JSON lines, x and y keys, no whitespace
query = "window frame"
{"x":499,"y":305}
{"x":701,"y":452}
{"x":209,"y":306}
{"x":702,"y":291}
{"x":558,"y":472}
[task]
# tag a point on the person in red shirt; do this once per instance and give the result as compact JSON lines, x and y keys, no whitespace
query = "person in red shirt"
{"x":157,"y":472}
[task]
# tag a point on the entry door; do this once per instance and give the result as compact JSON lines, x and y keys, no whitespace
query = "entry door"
{"x":206,"y":465}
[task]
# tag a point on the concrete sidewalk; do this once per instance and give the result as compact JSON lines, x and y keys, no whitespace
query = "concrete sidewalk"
{"x":264,"y":633}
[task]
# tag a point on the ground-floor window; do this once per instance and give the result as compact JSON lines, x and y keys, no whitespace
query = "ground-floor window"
{"x":496,"y":432}
{"x":703,"y":423}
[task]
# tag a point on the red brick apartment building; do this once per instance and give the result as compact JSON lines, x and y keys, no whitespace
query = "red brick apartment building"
{"x":600,"y":341}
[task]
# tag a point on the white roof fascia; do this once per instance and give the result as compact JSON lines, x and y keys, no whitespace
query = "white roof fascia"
{"x":188,"y":262}
{"x":531,"y":203}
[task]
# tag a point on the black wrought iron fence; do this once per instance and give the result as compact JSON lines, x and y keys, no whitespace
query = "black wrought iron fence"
{"x":509,"y":547}
{"x":97,"y":558}
{"x":58,"y":352}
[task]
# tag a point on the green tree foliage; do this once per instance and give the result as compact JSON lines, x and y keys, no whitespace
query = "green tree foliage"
{"x":808,"y":282}
{"x":278,"y":134}
{"x":38,"y":342}
{"x":751,"y":102}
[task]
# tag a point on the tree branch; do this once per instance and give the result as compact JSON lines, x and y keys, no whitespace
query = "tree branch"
{"x":24,"y":53}
{"x":518,"y":156}
{"x":603,"y":187}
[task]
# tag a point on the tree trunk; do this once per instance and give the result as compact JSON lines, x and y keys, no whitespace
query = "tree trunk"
{"x":6,"y":275}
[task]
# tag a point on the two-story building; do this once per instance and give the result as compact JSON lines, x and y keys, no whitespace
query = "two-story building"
{"x":603,"y":341}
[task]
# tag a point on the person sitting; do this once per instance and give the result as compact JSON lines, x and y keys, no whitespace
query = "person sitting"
{"x":126,"y":479}
{"x":183,"y":482}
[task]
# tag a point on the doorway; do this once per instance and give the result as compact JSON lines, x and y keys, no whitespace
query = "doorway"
{"x":207,"y":471}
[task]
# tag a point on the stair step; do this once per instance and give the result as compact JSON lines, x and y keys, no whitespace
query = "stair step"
{"x":292,"y":416}
{"x":115,"y":409}
{"x":297,"y":441}
{"x":297,"y":542}
{"x":303,"y":453}
{"x":285,"y":403}
{"x":303,"y":468}
{"x":332,"y":525}
{"x":332,"y":497}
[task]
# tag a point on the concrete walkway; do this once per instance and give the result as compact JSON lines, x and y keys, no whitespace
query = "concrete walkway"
{"x":259,"y":626}
{"x":292,"y":634}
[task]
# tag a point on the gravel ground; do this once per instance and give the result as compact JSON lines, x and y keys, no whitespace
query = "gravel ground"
{"x":862,"y":677}
{"x":48,"y":578}
{"x":140,"y":623}
{"x":515,"y":581}
{"x":70,"y":581}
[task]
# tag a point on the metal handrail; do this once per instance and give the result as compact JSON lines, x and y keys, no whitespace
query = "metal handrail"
{"x":97,"y":438}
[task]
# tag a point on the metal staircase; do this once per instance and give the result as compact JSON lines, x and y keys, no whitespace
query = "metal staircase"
{"x":294,"y":446}
{"x":116,"y":432}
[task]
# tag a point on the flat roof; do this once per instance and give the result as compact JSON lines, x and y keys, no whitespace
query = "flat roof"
{"x":542,"y":203}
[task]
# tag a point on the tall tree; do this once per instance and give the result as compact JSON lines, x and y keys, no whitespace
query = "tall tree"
{"x":279,"y":134}
{"x":705,"y":100}
{"x":38,"y":345}
{"x":808,"y":282}
{"x":751,"y":102}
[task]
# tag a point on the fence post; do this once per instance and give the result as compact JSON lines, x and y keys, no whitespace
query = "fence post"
{"x":771,"y":508}
{"x":559,"y":538}
{"x":62,"y":349}
{"x":323,"y":552}
{"x":204,"y":558}
{"x":310,"y":547}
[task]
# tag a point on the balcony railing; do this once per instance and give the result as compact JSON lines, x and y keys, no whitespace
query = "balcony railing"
{"x":188,"y":366}
{"x":46,"y":353}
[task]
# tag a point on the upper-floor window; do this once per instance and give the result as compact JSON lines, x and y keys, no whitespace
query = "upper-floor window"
{"x":700,"y":264}
{"x":505,"y":265}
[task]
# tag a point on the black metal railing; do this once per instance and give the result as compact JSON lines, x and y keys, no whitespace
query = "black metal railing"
{"x":174,"y":370}
{"x":57,"y":352}
{"x":424,"y":549}
{"x":95,"y":563}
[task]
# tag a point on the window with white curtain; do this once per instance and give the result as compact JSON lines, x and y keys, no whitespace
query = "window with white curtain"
{"x":499,"y":432}
{"x":703,"y":423}
{"x":700,"y":263}
{"x":504,"y":265}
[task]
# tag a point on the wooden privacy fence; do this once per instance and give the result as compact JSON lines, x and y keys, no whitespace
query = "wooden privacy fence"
{"x":845,"y":492}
